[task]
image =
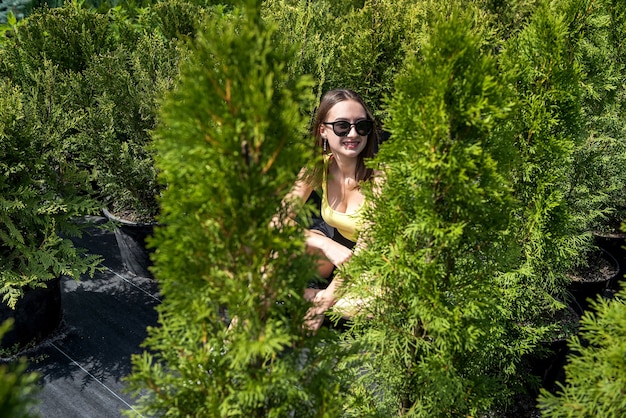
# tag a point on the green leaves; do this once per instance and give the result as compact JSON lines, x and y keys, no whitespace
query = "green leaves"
{"x":595,"y":367}
{"x":39,"y":200}
{"x":18,"y":387}
{"x":230,"y":143}
{"x":438,"y":228}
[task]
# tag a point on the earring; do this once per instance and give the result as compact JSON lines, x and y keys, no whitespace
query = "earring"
{"x":325,"y":144}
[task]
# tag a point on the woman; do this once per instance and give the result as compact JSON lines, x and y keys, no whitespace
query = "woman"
{"x":345,"y":131}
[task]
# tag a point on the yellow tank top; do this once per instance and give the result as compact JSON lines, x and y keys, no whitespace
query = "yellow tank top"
{"x":346,"y":224}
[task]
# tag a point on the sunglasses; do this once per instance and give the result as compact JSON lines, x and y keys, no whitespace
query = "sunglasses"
{"x":342,"y":128}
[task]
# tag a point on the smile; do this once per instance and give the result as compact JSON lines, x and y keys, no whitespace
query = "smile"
{"x":351,"y":144}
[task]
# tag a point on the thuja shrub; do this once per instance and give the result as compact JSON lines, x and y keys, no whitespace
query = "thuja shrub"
{"x":111,"y":75}
{"x":174,"y":19}
{"x":124,"y":89}
{"x":598,"y":182}
{"x":68,"y":36}
{"x":18,"y":387}
{"x":547,"y":123}
{"x":431,"y":324}
{"x":379,"y":33}
{"x":596,"y":366}
{"x":304,"y":24}
{"x":39,"y":194}
{"x":230,"y":339}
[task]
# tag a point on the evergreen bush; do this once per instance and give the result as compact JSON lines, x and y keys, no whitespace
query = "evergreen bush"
{"x":548,"y":126}
{"x":40,"y":192}
{"x":599,"y":182}
{"x":596,"y":366}
{"x":18,"y":387}
{"x":230,"y":144}
{"x":67,"y":36}
{"x":369,"y":47}
{"x":112,"y":74}
{"x":362,"y":53}
{"x":174,"y":19}
{"x":435,"y":336}
{"x":124,"y":90}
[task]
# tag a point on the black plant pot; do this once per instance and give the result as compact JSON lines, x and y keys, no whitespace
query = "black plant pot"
{"x":615,"y":244}
{"x":549,"y":369}
{"x":131,"y":240}
{"x":549,"y":366}
{"x":584,"y":289}
{"x":36,"y":315}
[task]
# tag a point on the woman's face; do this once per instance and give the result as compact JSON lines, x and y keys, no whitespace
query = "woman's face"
{"x":352,"y":144}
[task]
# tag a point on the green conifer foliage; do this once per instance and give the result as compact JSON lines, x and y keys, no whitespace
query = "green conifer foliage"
{"x":230,"y":144}
{"x":39,"y":191}
{"x":68,"y":36}
{"x":434,"y":335}
{"x":369,"y":45}
{"x":18,"y":387}
{"x":112,"y":70}
{"x":541,"y":61}
{"x":122,"y":92}
{"x":359,"y":46}
{"x":304,"y":24}
{"x":596,"y":367}
{"x":599,"y":181}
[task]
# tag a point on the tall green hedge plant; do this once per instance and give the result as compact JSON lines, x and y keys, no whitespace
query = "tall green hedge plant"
{"x":359,"y":46}
{"x":542,"y":65}
{"x":435,"y":336}
{"x":40,"y":192}
{"x":599,"y":182}
{"x":596,"y":366}
{"x":230,"y":144}
{"x":116,"y":67}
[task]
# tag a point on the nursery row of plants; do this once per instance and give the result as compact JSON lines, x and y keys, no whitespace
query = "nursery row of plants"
{"x":504,"y":158}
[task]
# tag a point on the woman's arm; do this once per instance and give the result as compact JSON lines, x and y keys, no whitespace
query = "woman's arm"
{"x":336,"y":253}
{"x":298,"y":194}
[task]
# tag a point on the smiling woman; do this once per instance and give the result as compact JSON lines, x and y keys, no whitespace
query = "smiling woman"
{"x":344,"y":129}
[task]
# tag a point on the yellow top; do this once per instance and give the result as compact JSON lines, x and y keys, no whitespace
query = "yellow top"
{"x":346,"y":223}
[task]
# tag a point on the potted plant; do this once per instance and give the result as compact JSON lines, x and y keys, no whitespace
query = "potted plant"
{"x":125,"y":85}
{"x":438,"y":238}
{"x":598,"y":184}
{"x":18,"y":387}
{"x":124,"y":88}
{"x":595,"y":368}
{"x":548,"y":360}
{"x":40,"y":202}
{"x":231,"y":141}
{"x":593,"y":276}
{"x":117,"y":70}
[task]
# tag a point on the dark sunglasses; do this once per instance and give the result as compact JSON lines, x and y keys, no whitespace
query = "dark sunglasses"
{"x":342,"y":127}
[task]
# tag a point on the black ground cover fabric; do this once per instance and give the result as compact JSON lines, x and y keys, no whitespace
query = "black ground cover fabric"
{"x":104,"y":322}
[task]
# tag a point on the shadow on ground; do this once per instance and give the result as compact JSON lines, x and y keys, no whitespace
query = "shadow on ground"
{"x":104,"y":322}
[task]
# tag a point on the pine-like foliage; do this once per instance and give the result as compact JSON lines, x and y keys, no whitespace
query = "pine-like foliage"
{"x":596,"y":367}
{"x":230,"y":144}
{"x":357,"y":45}
{"x":67,"y":36}
{"x":548,"y":126}
{"x":599,"y":181}
{"x":39,"y":191}
{"x":367,"y":50}
{"x":114,"y":68}
{"x":123,"y":89}
{"x":18,"y":387}
{"x":432,"y":331}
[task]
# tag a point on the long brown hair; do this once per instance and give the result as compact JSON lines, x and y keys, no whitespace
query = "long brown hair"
{"x":330,"y":99}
